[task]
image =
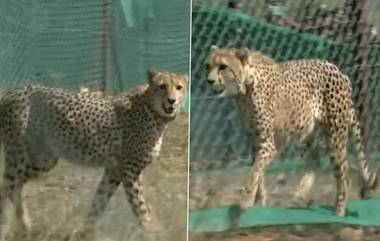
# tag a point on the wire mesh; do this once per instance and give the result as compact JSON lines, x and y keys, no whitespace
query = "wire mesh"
{"x":218,"y":135}
{"x":220,"y":151}
{"x":103,"y":44}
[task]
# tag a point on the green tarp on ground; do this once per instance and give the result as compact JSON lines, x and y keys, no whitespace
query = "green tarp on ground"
{"x":361,"y":212}
{"x":365,"y":212}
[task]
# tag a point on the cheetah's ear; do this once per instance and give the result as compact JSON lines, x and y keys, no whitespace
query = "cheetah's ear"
{"x":186,"y":80}
{"x":152,"y":72}
{"x":243,"y":54}
{"x":214,"y":47}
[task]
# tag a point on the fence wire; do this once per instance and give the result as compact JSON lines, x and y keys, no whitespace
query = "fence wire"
{"x":341,"y":34}
{"x":102,"y":44}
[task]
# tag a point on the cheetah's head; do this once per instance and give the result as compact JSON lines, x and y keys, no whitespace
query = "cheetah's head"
{"x":168,"y":91}
{"x":225,"y":67}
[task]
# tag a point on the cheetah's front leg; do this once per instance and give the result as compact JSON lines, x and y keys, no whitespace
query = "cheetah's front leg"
{"x":22,"y":216}
{"x":261,"y":195}
{"x":133,"y":188}
{"x":265,"y":155}
{"x":4,"y":225}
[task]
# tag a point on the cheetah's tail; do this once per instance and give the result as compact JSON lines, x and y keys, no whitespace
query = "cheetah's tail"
{"x":368,"y":174}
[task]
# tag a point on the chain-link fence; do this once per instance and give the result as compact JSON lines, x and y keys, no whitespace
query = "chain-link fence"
{"x":218,"y":134}
{"x":217,"y":140}
{"x":103,"y":44}
{"x":321,"y":16}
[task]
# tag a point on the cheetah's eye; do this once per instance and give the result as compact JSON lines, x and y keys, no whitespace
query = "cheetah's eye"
{"x":179,"y":87}
{"x":162,"y":86}
{"x":222,"y":67}
{"x":207,"y":66}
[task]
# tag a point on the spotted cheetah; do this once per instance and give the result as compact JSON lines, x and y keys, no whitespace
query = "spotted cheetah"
{"x":122,"y":134}
{"x":288,"y":101}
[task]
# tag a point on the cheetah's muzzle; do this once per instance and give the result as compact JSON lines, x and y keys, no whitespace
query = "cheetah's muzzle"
{"x":219,"y":91}
{"x":168,"y":110}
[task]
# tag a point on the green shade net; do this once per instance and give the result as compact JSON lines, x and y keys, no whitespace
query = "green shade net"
{"x":86,"y":43}
{"x":216,"y":117}
{"x":218,"y":139}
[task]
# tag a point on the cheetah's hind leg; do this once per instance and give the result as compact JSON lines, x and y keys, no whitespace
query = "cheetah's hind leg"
{"x":338,"y":149}
{"x":23,"y":223}
{"x":19,"y":169}
{"x":14,"y":178}
{"x":4,"y":223}
{"x":12,"y":190}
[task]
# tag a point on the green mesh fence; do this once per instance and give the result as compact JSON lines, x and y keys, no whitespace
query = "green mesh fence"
{"x":102,"y":44}
{"x":218,"y":140}
{"x":225,"y":27}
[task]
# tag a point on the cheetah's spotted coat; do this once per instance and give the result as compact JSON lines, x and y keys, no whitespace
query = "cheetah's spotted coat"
{"x":39,"y":125}
{"x":288,"y":101}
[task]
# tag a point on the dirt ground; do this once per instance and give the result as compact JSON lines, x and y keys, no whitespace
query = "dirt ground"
{"x":222,"y":187}
{"x":331,"y":232}
{"x":59,"y":201}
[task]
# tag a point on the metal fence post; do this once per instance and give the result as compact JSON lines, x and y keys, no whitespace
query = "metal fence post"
{"x":360,"y":45}
{"x":105,"y":45}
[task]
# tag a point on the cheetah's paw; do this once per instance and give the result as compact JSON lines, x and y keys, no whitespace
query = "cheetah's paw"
{"x":150,"y":226}
{"x":247,"y":199}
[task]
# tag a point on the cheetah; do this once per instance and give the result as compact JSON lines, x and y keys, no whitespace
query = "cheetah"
{"x":122,"y":134}
{"x":287,"y":101}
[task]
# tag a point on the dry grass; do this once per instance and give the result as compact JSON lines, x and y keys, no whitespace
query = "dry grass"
{"x":59,"y":201}
{"x":331,"y":232}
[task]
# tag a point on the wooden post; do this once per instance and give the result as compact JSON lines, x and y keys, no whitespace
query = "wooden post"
{"x":105,"y":46}
{"x":360,"y":46}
